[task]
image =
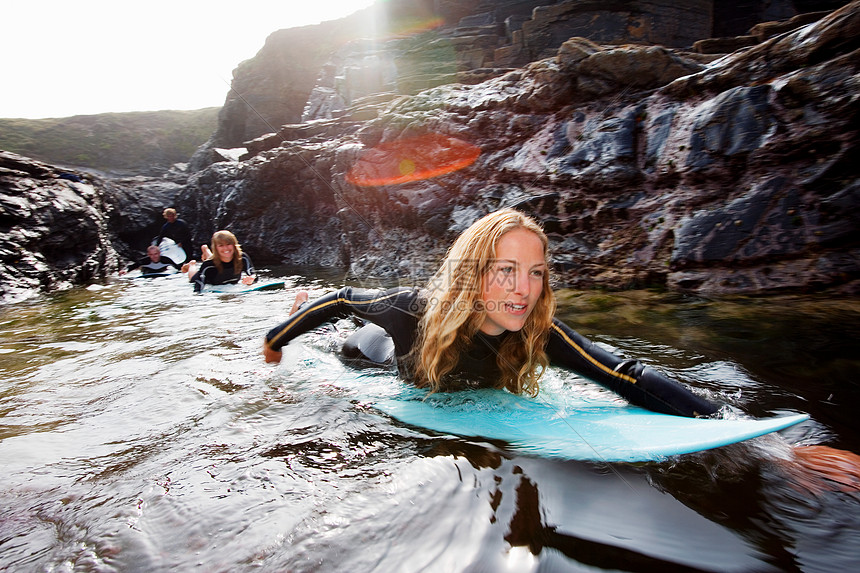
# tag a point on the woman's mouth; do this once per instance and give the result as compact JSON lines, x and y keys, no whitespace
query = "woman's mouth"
{"x":516,"y":308}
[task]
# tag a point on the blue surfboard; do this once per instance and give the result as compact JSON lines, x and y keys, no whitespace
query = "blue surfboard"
{"x":596,"y":430}
{"x":242,"y":288}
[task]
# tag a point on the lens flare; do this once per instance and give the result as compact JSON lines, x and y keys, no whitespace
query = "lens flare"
{"x":412,"y":159}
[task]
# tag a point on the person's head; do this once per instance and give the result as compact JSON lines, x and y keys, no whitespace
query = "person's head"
{"x":154,"y":253}
{"x":495,"y":278}
{"x":170,"y":215}
{"x":226,"y":249}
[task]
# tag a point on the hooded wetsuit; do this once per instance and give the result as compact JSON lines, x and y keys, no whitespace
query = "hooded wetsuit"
{"x":398,"y":311}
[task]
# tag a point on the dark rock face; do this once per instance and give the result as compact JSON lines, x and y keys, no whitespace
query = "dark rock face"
{"x":54,"y":228}
{"x":647,"y":166}
{"x":319,"y":72}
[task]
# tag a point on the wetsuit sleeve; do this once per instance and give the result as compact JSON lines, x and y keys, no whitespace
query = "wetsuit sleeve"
{"x":161,"y":234}
{"x":199,"y":278}
{"x":630,"y":379}
{"x":183,"y":236}
{"x":396,"y":310}
{"x":137,"y":263}
{"x":171,"y":262}
{"x":247,"y":265}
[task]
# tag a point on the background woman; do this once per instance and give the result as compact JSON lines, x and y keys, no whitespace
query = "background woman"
{"x":227,"y":265}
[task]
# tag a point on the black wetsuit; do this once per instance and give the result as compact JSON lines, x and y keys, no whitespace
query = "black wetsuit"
{"x":398,"y":311}
{"x":147,"y":267}
{"x":209,"y":275}
{"x":180,"y":233}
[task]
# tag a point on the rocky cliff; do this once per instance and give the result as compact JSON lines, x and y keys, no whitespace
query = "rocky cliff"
{"x":649,"y":166}
{"x":404,"y":46}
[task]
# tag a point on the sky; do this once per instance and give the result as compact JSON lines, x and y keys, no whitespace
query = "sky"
{"x":78,"y":57}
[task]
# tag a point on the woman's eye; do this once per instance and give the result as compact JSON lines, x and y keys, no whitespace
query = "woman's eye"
{"x":538,"y":273}
{"x":506,"y":269}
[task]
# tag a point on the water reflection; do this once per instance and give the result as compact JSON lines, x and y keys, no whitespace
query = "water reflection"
{"x":141,"y":431}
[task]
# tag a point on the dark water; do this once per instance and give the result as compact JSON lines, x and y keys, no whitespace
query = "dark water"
{"x":141,"y":431}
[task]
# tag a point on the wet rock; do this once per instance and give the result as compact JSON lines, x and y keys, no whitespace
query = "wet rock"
{"x":54,"y":230}
{"x":631,"y":68}
{"x":724,"y":45}
{"x":766,"y":222}
{"x":735,"y":122}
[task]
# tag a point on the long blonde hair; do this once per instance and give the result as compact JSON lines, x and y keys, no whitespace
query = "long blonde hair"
{"x":455,"y":311}
{"x":226,"y":238}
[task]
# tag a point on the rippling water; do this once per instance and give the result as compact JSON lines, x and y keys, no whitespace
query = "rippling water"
{"x":142,"y":431}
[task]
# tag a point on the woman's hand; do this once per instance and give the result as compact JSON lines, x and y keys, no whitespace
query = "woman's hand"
{"x":272,"y":356}
{"x":822,"y":468}
{"x":301,"y":298}
{"x":249,"y":279}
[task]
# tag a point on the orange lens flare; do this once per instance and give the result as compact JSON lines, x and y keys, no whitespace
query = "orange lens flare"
{"x":412,"y":159}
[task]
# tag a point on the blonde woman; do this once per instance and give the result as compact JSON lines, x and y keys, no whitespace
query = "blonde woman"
{"x":486,"y":319}
{"x":227,"y":265}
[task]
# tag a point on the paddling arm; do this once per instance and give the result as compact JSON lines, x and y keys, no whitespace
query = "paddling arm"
{"x":396,"y":310}
{"x":630,"y":379}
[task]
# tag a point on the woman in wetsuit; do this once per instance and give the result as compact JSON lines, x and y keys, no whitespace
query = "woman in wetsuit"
{"x":486,"y":319}
{"x":227,"y":265}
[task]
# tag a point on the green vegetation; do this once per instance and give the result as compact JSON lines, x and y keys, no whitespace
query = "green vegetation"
{"x":133,"y":141}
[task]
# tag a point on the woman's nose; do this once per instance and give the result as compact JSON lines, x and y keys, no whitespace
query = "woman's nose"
{"x":521,"y":283}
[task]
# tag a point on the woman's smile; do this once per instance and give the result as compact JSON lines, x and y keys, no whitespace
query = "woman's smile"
{"x":225,"y":252}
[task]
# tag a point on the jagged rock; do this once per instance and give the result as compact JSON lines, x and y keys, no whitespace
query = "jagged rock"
{"x":631,"y":67}
{"x":737,"y":121}
{"x":649,"y":22}
{"x":724,"y":45}
{"x":767,"y":30}
{"x":54,"y":231}
{"x":758,"y":33}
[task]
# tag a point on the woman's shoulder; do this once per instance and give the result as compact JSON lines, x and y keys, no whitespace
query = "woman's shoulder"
{"x":403,"y":297}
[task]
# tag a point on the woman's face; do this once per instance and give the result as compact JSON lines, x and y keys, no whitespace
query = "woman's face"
{"x":225,"y":251}
{"x":514,"y":283}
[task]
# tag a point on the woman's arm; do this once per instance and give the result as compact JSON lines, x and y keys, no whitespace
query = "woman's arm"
{"x":630,"y":379}
{"x":395,"y":310}
{"x":172,"y":263}
{"x":248,"y":268}
{"x":199,"y":278}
